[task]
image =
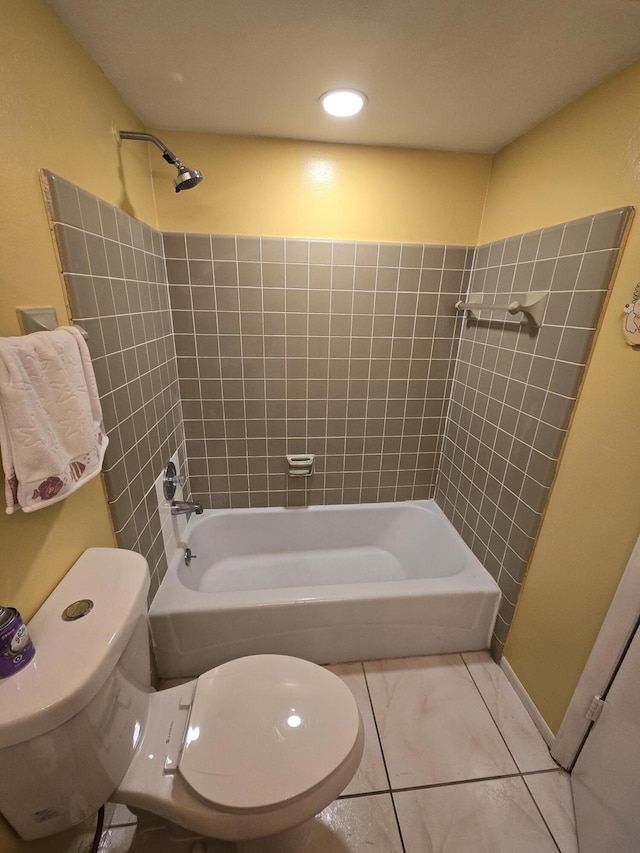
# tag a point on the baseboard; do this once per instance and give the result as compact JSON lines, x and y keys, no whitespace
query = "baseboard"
{"x":527,"y":701}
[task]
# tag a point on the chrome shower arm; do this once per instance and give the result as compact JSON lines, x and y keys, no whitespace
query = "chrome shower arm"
{"x":187,"y":178}
{"x":167,"y":155}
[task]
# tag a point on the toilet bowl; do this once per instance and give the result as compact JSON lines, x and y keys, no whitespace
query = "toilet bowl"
{"x":255,"y":746}
{"x":248,"y":752}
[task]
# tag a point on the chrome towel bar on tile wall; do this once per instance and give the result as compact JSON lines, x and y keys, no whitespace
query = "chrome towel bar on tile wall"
{"x":42,"y":320}
{"x":531,"y":305}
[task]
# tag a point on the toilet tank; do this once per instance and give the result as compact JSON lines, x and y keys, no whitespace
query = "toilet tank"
{"x":70,"y":720}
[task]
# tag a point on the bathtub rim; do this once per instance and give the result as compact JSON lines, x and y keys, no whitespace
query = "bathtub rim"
{"x":173,"y":596}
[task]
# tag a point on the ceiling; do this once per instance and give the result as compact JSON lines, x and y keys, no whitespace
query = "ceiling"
{"x":461,"y":75}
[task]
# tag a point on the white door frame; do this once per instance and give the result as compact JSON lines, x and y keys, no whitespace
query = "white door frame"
{"x":616,"y":632}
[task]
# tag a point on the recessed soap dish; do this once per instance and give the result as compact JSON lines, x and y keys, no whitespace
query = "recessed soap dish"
{"x":300,"y":464}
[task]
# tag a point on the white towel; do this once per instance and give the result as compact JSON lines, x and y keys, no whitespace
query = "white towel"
{"x":51,"y":433}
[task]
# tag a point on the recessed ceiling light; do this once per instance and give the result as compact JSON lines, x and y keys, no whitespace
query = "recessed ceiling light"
{"x":343,"y":102}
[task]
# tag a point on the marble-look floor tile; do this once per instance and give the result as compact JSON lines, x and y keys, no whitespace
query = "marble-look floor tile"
{"x":492,"y":816}
{"x":109,"y":811}
{"x":522,"y":737}
{"x":434,"y":726}
{"x":115,"y":814}
{"x":160,"y":839}
{"x":151,"y":834}
{"x":120,"y":840}
{"x":552,"y":793}
{"x":352,"y":825}
{"x":356,"y":825}
{"x":78,"y":839}
{"x":371,"y":775}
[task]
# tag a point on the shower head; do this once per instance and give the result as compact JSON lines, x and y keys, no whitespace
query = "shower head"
{"x":186,"y":179}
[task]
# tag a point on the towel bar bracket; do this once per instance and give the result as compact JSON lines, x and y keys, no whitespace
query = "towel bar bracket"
{"x":530,"y":306}
{"x":42,"y":320}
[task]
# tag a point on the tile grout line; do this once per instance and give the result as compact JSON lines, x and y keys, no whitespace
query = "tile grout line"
{"x":520,"y":774}
{"x":449,"y":784}
{"x":539,"y":810}
{"x":493,"y":719}
{"x":384,"y":760}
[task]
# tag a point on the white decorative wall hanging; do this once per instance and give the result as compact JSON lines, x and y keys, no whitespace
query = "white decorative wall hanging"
{"x":631,"y":323}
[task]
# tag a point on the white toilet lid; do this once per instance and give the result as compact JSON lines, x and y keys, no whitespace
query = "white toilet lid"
{"x":265,"y":729}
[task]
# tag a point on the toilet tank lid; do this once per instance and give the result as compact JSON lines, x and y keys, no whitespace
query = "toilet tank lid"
{"x":74,"y":658}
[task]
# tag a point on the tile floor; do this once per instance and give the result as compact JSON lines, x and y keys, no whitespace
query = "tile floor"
{"x":452,"y":764}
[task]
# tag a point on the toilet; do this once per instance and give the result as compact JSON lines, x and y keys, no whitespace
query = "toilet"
{"x":248,"y":752}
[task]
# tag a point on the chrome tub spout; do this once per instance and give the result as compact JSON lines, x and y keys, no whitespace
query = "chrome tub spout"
{"x":185,"y":507}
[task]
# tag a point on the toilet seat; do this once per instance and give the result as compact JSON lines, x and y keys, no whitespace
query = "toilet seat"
{"x":266,"y":730}
{"x":157,"y":779}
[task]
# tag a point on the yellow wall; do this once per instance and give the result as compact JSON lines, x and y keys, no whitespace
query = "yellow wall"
{"x":583,"y":160}
{"x":280,"y":187}
{"x":56,"y":112}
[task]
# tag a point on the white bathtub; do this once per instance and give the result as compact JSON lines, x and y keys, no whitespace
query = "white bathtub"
{"x":325,"y":583}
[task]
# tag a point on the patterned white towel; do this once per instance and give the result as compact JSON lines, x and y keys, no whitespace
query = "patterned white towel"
{"x":52,"y":437}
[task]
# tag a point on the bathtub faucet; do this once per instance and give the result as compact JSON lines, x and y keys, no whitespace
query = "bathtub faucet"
{"x":184,"y":507}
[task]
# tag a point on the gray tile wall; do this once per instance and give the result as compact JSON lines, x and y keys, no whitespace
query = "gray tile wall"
{"x":115,"y":277}
{"x":514,"y":390}
{"x":346,"y":350}
{"x":341,"y":349}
